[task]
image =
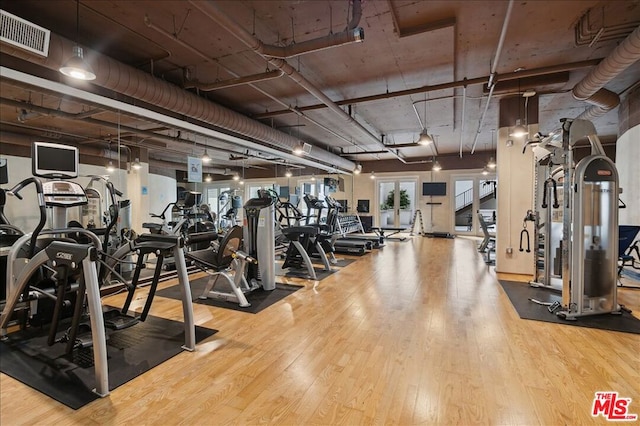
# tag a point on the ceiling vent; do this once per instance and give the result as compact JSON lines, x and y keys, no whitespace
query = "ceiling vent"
{"x":24,"y":34}
{"x":306,"y":148}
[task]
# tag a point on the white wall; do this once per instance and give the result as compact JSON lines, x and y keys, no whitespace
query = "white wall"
{"x":436,"y":217}
{"x":627,"y":162}
{"x":515,"y":197}
{"x":161,"y":190}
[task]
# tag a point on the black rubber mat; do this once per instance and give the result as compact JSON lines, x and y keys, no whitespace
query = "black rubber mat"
{"x":520,"y":294}
{"x":131,"y":352}
{"x":319,"y":269}
{"x":259,"y":298}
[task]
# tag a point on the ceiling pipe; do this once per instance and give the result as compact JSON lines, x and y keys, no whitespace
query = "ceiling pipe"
{"x":233,"y":82}
{"x":211,"y":10}
{"x":464,"y":108}
{"x":128,"y":81}
{"x":591,"y":88}
{"x":355,"y":35}
{"x":202,"y":55}
{"x":492,"y":76}
{"x":535,"y":72}
{"x":352,"y":34}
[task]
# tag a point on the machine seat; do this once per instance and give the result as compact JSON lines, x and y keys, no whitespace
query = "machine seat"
{"x":152,"y":227}
{"x":222,"y":257}
{"x":294,"y":232}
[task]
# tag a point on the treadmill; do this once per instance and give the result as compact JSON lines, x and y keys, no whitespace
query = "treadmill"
{"x":331,"y":224}
{"x":353,"y":232}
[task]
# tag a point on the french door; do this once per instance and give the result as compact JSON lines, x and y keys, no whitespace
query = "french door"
{"x":397,"y":202}
{"x":474,"y":195}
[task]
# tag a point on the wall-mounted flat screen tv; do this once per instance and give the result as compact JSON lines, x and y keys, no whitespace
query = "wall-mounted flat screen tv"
{"x":434,"y":188}
{"x":56,"y":161}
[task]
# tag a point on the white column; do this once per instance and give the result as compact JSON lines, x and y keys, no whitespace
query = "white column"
{"x":627,"y":157}
{"x":515,"y":196}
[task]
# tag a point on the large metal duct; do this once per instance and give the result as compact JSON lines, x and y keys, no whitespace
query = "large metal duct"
{"x":352,"y":34}
{"x":137,"y":84}
{"x":590,"y":88}
{"x":211,"y":10}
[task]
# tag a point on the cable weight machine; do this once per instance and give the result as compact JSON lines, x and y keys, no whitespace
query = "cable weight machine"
{"x":575,"y":219}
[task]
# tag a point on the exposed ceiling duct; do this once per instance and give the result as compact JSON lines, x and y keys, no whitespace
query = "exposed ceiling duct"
{"x":211,"y":10}
{"x":590,"y":88}
{"x":354,"y":35}
{"x":140,"y":85}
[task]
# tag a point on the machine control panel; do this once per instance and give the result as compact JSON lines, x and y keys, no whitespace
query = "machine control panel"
{"x":63,"y":193}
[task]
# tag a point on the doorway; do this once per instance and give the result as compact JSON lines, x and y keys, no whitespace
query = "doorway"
{"x":474,"y":195}
{"x":397,"y":201}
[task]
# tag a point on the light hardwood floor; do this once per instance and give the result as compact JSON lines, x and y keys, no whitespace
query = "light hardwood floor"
{"x":419,"y":332}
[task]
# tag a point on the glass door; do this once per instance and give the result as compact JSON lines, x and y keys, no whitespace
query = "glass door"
{"x":474,"y":195}
{"x":397,"y":201}
{"x":463,"y":192}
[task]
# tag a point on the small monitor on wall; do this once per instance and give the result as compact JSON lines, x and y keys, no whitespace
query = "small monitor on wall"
{"x":284,"y":192}
{"x":52,"y":160}
{"x":363,"y":206}
{"x":434,"y":188}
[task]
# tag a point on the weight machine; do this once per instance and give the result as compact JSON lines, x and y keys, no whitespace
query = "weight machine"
{"x":575,"y":229}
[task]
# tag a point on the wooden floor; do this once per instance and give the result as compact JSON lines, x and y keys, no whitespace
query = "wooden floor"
{"x":419,"y":332}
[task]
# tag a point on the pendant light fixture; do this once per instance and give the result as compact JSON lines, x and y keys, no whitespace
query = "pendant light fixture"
{"x":110,"y":167}
{"x":358,"y":169}
{"x":491,"y":164}
{"x":425,"y":139}
{"x":298,"y":150}
{"x":372,"y":175}
{"x":436,"y":166}
{"x":76,"y":67}
{"x":136,"y":164}
{"x":205,"y":157}
{"x":288,"y":173}
{"x":208,"y":178}
{"x":520,"y":130}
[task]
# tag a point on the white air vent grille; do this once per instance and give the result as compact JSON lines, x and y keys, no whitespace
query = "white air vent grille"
{"x":23,"y":34}
{"x":306,"y":148}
